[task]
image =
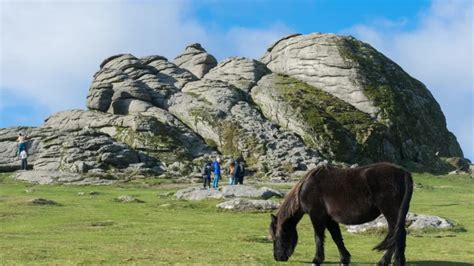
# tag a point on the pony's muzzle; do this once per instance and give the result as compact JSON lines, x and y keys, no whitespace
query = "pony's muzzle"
{"x":281,"y":258}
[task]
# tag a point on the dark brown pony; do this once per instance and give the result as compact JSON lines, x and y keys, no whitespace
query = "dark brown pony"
{"x":332,"y":195}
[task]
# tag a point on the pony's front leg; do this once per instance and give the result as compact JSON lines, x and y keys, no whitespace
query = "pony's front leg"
{"x":319,"y":227}
{"x":336,"y":235}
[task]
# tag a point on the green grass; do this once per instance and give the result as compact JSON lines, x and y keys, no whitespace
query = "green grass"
{"x":96,"y":229}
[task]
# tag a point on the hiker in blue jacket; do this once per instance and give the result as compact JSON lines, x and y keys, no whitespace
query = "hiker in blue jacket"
{"x":217,"y":172}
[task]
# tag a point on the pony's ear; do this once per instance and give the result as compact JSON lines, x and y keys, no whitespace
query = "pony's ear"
{"x":274,"y":218}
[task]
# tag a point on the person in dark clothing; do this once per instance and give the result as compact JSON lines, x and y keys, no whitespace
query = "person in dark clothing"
{"x":206,"y":174}
{"x":240,"y":173}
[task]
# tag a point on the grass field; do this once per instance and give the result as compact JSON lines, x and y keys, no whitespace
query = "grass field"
{"x":94,"y":229}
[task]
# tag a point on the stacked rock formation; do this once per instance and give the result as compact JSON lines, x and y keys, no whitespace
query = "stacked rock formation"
{"x":310,"y":98}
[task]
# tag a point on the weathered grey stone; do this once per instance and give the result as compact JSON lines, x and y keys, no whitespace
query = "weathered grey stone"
{"x":243,"y":73}
{"x":459,"y":164}
{"x":413,"y":222}
{"x":248,"y":205}
{"x":342,"y":100}
{"x":323,"y":67}
{"x":220,"y":113}
{"x":128,"y":199}
{"x":196,"y":59}
{"x":241,"y":191}
{"x":359,"y":75}
{"x":246,"y":191}
{"x":198,"y":193}
{"x":324,"y":122}
{"x":57,"y":177}
{"x":168,"y":72}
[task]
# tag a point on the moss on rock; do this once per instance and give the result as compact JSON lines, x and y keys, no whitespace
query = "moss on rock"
{"x":334,"y":127}
{"x":415,"y":122}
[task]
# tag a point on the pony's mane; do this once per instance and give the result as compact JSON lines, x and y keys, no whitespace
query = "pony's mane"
{"x":291,"y":203}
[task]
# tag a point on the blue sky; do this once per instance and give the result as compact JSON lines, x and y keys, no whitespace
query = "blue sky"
{"x":49,"y":50}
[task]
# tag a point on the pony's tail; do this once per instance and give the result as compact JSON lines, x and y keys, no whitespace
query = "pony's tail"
{"x":399,"y":230}
{"x":291,"y":203}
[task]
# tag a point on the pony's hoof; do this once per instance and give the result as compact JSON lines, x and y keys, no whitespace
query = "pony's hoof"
{"x":317,"y":261}
{"x":345,"y":261}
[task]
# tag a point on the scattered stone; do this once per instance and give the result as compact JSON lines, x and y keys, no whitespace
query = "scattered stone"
{"x":128,"y":199}
{"x":237,"y":191}
{"x":246,"y":191}
{"x":198,"y":193}
{"x":413,"y":222}
{"x":94,"y":193}
{"x":42,"y":201}
{"x":82,"y":193}
{"x":29,"y":190}
{"x":248,"y":205}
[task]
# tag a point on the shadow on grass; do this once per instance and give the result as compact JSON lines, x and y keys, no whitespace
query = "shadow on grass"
{"x":409,"y":263}
{"x":437,"y":263}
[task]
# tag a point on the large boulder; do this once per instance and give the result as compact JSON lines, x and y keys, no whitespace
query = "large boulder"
{"x":359,"y":75}
{"x":324,"y":122}
{"x":241,"y":72}
{"x":196,"y":60}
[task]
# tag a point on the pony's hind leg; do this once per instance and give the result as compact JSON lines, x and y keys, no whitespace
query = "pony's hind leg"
{"x":319,"y":226}
{"x":390,"y":216}
{"x":387,"y":257}
{"x":400,"y":249}
{"x":336,"y":235}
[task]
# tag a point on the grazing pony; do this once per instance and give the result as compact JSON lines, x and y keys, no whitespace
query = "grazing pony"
{"x":332,"y":195}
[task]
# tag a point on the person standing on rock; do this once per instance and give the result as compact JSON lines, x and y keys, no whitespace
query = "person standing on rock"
{"x":21,"y":142}
{"x":24,"y":162}
{"x":216,"y":166}
{"x":240,"y":172}
{"x":232,"y":177}
{"x":206,"y":174}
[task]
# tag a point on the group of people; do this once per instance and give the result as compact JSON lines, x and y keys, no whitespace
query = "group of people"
{"x":22,"y":150}
{"x":236,"y":173}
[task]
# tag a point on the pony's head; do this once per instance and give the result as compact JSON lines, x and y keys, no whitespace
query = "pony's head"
{"x":284,"y":238}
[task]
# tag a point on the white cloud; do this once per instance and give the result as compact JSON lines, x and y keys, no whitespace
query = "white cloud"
{"x":254,"y":42}
{"x":50,"y":50}
{"x":439,"y":52}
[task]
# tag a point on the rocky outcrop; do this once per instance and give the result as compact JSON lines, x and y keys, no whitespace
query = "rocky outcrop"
{"x":196,"y":60}
{"x":324,"y":122}
{"x":310,"y":98}
{"x":220,"y":113}
{"x":362,"y":77}
{"x":242,"y":73}
{"x":315,"y":59}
